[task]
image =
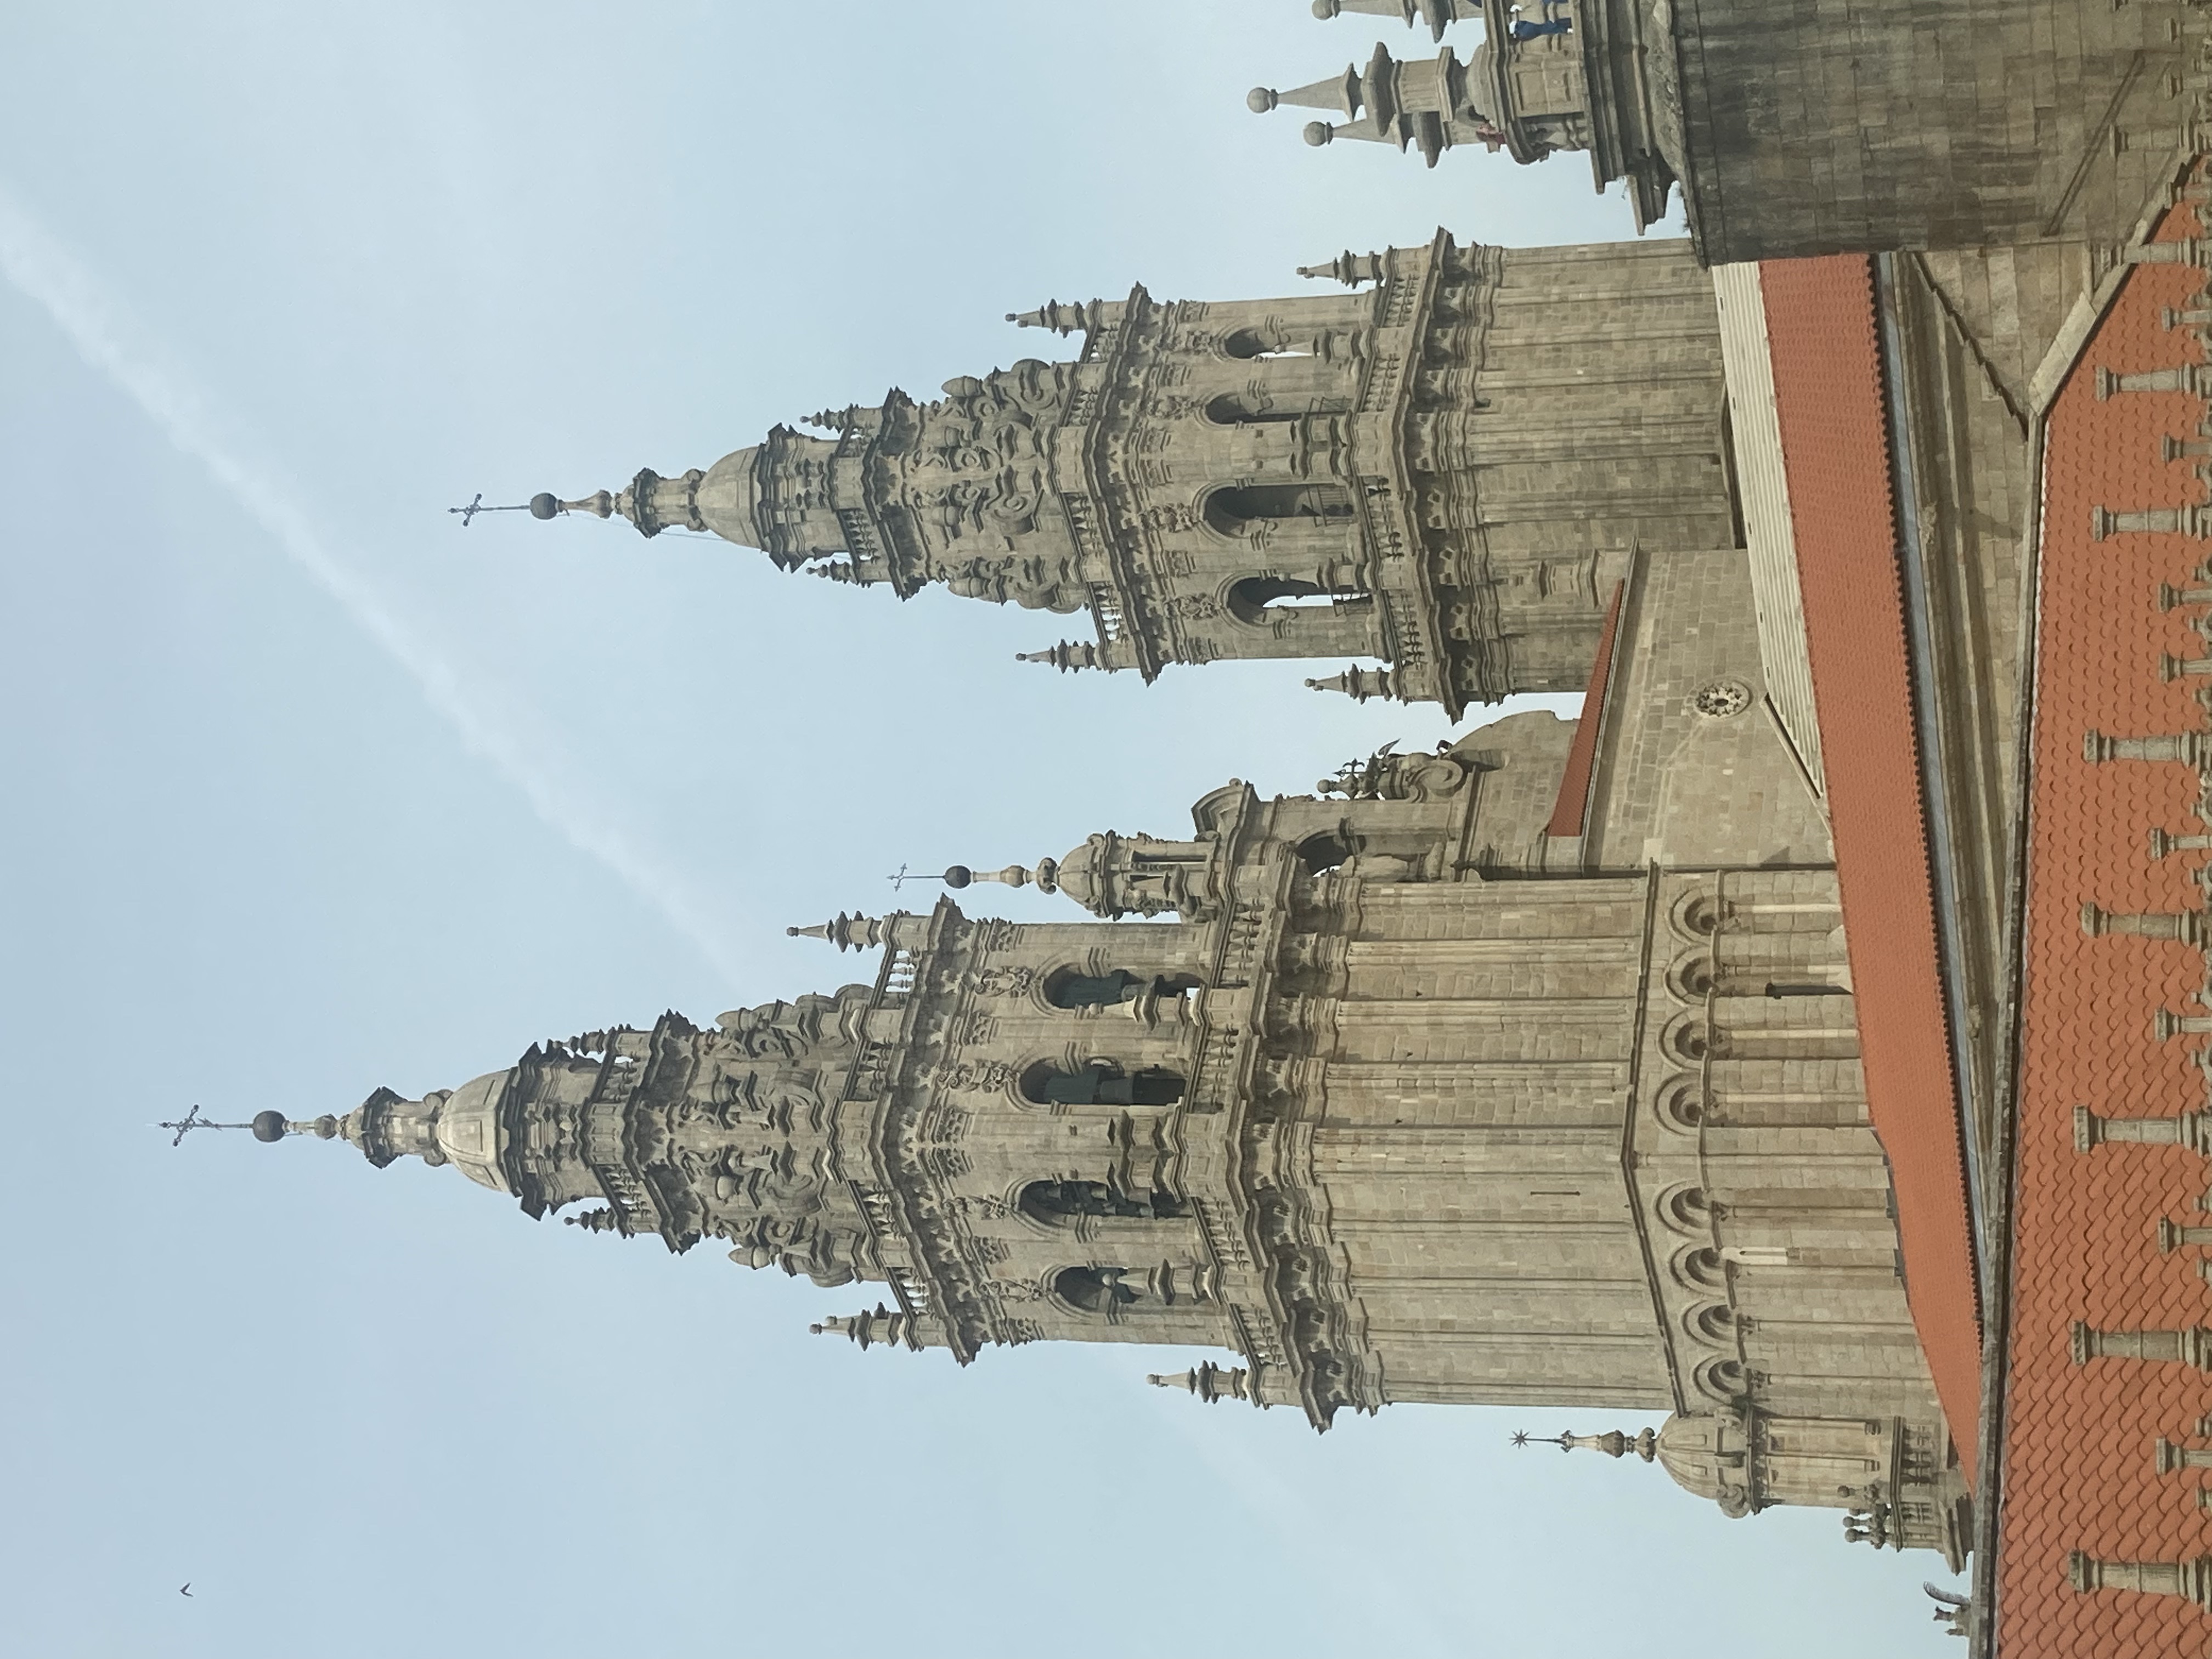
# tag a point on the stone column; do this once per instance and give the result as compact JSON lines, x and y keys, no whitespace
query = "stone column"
{"x":2191,"y":1579}
{"x":2157,"y":520}
{"x":2172,"y":1235}
{"x":2163,"y":843}
{"x":2189,"y":926}
{"x":2170,"y":1458}
{"x":2189,"y":1129}
{"x":2191,"y":1345}
{"x":2192,"y":748}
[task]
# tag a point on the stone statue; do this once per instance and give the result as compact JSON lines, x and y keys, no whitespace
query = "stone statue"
{"x":1389,"y":776}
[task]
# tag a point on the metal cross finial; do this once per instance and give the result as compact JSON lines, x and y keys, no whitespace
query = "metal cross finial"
{"x":192,"y":1121}
{"x":477,"y":505}
{"x":906,"y":874}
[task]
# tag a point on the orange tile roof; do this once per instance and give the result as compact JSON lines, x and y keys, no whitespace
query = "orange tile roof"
{"x":1828,"y":392}
{"x":2078,"y":1447}
{"x":1572,"y":805}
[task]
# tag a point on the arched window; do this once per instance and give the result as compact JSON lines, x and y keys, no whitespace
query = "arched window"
{"x":1094,"y":1290}
{"x":1233,"y":507}
{"x":1265,"y":342}
{"x":1055,"y":1201}
{"x":1261,"y":599}
{"x":1250,"y":407}
{"x":1071,"y":987}
{"x":1101,"y":1083}
{"x":1323,"y":853}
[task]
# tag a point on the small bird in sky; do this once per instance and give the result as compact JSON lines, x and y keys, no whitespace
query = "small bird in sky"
{"x":185,"y":1589}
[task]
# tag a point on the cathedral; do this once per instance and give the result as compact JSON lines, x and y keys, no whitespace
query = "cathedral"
{"x":1674,"y":1059}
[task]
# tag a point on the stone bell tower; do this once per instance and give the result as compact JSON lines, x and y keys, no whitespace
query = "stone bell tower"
{"x":1796,"y":130}
{"x":1447,"y":467}
{"x":1378,"y":1089}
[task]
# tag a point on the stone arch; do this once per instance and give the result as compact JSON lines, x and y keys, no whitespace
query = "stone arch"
{"x":1260,"y":601}
{"x":1321,"y":853}
{"x":1721,"y":1380}
{"x":1255,"y":340}
{"x":1077,"y":986}
{"x":1250,"y":406}
{"x":1098,"y":1081}
{"x":1686,"y":1210}
{"x":1093,"y":1291}
{"x":1073,"y":987}
{"x":1057,"y":1203}
{"x":1679,"y":1104}
{"x":1688,"y":1040}
{"x":1693,"y":977}
{"x":1712,"y":1323}
{"x":1699,"y":916}
{"x":1234,"y":509}
{"x":1698,"y":1268}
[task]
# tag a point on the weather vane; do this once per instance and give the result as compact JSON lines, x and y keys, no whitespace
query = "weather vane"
{"x":192,"y":1121}
{"x":477,"y":505}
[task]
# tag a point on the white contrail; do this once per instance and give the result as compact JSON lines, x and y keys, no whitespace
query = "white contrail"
{"x":101,"y":330}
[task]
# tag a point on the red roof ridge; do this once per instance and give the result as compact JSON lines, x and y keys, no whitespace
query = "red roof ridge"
{"x":1572,"y":809}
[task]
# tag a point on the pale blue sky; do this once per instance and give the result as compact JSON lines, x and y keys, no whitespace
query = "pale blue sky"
{"x":311,"y":791}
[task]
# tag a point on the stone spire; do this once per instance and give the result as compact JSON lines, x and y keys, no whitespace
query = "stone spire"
{"x":1360,"y":683}
{"x":1061,"y":318}
{"x":674,"y":1131}
{"x":1068,"y":658}
{"x":1350,"y":269}
{"x":1644,"y":1443}
{"x":846,"y":933}
{"x":721,"y":500}
{"x":1438,"y":15}
{"x":868,"y":1328}
{"x":1425,"y":107}
{"x":1209,"y":1382}
{"x":1572,"y":78}
{"x":1195,"y":482}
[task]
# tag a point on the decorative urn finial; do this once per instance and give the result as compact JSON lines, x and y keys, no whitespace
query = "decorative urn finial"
{"x":1613,"y":1442}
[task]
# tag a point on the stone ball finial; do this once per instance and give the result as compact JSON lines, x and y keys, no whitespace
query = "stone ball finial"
{"x":1318,"y":133}
{"x":1260,"y":100}
{"x":269,"y":1126}
{"x":958,"y":876}
{"x":1325,"y":9}
{"x":545,"y":505}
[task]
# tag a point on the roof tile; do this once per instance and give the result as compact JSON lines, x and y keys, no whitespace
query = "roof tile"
{"x":1835,"y":447}
{"x":2078,"y":1469}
